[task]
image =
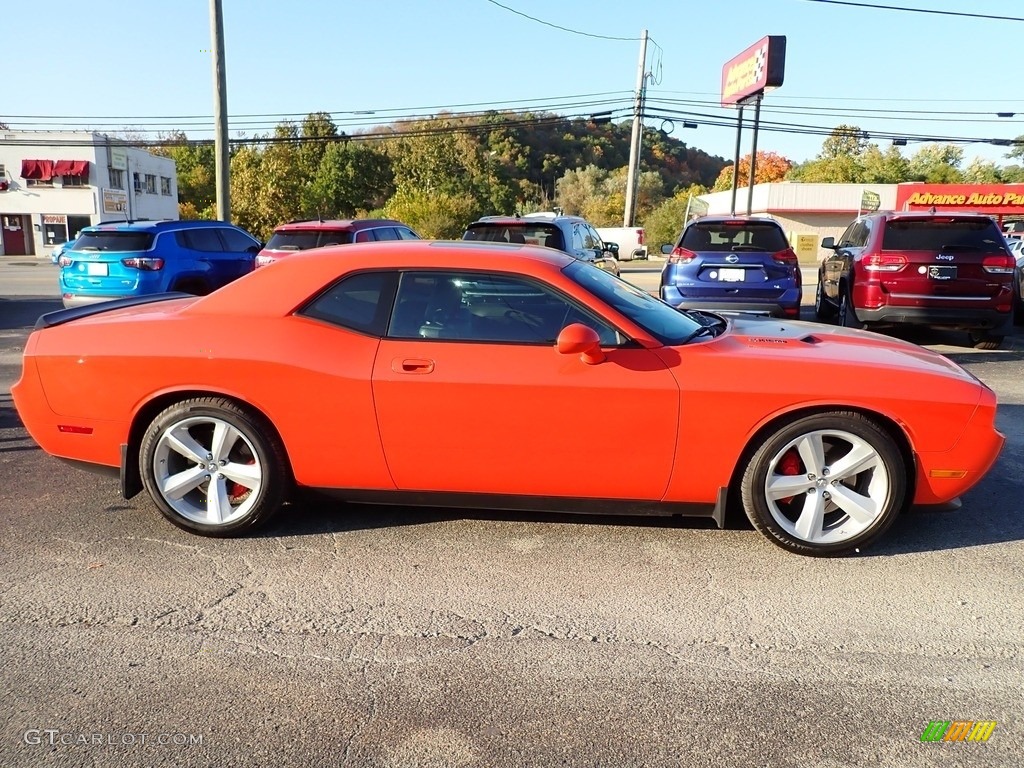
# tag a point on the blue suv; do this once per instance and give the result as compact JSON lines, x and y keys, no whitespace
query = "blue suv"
{"x":737,"y":263}
{"x":115,"y":260}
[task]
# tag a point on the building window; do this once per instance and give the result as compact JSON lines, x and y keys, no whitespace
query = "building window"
{"x":116,"y":178}
{"x":38,"y":182}
{"x":72,"y":181}
{"x":137,"y":183}
{"x":150,"y":184}
{"x":165,"y":186}
{"x":3,"y":171}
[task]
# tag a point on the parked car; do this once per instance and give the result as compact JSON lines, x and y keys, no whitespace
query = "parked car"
{"x":303,"y":235}
{"x":942,"y":270}
{"x":59,"y":250}
{"x":118,"y":260}
{"x":232,"y":404}
{"x":630,"y":241}
{"x":570,"y":234}
{"x":1017,"y":251}
{"x":737,"y":263}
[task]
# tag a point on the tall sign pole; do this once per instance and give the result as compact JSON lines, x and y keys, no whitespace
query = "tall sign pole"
{"x":634,"y":144}
{"x":745,"y":78}
{"x":220,"y":112}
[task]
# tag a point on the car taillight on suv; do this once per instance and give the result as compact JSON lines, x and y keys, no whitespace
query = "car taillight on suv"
{"x":999,"y":264}
{"x":884,"y":262}
{"x":680,"y":255}
{"x":144,"y":263}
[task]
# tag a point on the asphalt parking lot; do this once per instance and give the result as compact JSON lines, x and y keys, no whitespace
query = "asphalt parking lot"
{"x":390,"y":637}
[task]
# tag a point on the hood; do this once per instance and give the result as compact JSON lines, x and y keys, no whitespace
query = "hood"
{"x":814,"y":342}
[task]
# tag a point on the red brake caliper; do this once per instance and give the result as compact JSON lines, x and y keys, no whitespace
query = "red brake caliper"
{"x":236,"y":491}
{"x":789,"y":464}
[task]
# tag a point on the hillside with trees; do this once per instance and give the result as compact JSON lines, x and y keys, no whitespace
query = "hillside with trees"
{"x":439,"y":174}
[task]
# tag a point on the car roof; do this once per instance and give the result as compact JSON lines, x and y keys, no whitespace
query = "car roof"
{"x":160,"y":225}
{"x":279,"y":288}
{"x":334,"y":225}
{"x":891,"y":215}
{"x":718,"y":219}
{"x":529,"y":218}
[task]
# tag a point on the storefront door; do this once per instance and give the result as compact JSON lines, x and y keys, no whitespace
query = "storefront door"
{"x":13,"y":235}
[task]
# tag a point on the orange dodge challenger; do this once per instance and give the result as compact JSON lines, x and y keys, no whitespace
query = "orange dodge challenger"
{"x":498,"y":376}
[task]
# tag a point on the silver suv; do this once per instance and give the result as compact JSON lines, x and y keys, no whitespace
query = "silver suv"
{"x":570,"y":234}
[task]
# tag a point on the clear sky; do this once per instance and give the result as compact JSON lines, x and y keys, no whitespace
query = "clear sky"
{"x":145,"y":64}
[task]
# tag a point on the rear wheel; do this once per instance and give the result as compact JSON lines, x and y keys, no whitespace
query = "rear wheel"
{"x":986,"y":340}
{"x":213,"y":467}
{"x":825,"y":484}
{"x":195,"y":287}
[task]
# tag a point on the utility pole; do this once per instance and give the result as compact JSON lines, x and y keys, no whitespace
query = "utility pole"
{"x":634,"y":144}
{"x":220,"y":112}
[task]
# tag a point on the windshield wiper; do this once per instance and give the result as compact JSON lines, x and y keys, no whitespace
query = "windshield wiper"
{"x":704,"y":329}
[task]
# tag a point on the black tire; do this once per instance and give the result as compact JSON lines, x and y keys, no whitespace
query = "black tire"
{"x":884,"y":484}
{"x":986,"y":340}
{"x":845,"y":314}
{"x":256,"y":444}
{"x":823,"y":308}
{"x":195,"y":287}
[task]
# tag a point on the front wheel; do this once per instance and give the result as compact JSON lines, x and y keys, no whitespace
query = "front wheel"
{"x":825,"y":484}
{"x":846,"y":316}
{"x":213,"y":467}
{"x":823,"y":310}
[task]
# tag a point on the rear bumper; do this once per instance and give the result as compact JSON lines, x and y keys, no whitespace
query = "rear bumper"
{"x":72,"y":300}
{"x":961,"y":319}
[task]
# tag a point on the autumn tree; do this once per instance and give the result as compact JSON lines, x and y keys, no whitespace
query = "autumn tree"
{"x":770,"y":167}
{"x":664,"y":224}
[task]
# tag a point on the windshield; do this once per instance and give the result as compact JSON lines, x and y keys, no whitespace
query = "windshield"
{"x":304,"y":239}
{"x":667,"y":325}
{"x":936,"y":234}
{"x":547,"y":235}
{"x":113,"y":241}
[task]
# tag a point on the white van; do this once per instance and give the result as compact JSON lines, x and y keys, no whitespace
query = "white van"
{"x":629,"y":239}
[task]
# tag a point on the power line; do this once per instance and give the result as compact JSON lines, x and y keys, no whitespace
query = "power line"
{"x":918,"y":10}
{"x":564,"y":29}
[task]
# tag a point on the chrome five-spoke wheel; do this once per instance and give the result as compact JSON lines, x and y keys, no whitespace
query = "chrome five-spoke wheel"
{"x":825,"y":483}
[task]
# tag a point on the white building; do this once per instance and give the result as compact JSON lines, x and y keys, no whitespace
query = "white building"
{"x":54,"y":183}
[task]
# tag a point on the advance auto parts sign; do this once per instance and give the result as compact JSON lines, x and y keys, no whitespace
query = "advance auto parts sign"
{"x":985,"y":198}
{"x":760,"y":67}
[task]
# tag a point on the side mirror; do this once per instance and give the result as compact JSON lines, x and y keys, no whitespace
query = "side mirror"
{"x":667,"y":249}
{"x":579,"y":339}
{"x":612,"y":248}
{"x":829,"y":242}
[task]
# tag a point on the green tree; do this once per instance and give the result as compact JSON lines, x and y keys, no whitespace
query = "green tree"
{"x":664,"y":224}
{"x":982,"y":172}
{"x":195,"y":166}
{"x":937,"y":164}
{"x":844,"y":141}
{"x":889,"y":167}
{"x":432,"y":214}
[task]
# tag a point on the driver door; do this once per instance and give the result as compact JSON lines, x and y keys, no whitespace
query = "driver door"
{"x":472,"y":396}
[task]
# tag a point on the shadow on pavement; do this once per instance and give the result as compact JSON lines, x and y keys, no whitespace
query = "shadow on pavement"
{"x":18,"y":313}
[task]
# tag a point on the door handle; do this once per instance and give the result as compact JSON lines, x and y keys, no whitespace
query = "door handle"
{"x":412,"y":365}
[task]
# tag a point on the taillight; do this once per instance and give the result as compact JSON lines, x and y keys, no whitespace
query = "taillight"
{"x":65,"y":261}
{"x":680,"y":255}
{"x":144,"y":263}
{"x":884,"y":262}
{"x":1002,"y":264}
{"x":639,"y":237}
{"x":787,"y":257}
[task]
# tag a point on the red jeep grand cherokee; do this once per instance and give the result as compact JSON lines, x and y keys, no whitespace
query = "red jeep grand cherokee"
{"x":303,"y":235}
{"x":944,"y":270}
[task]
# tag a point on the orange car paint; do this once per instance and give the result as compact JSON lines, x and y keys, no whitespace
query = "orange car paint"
{"x":358,"y":412}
